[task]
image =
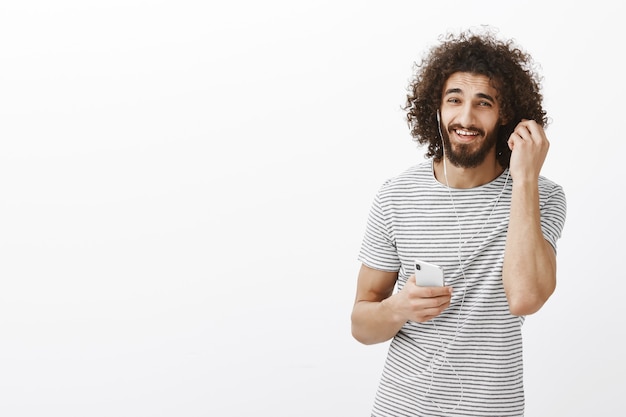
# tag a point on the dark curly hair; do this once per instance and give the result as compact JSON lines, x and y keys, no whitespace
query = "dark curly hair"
{"x":510,"y":69}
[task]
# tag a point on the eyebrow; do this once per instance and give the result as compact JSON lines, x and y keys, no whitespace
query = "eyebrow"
{"x":459,"y":91}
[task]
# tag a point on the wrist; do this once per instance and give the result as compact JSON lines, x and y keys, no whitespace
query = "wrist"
{"x":390,"y":312}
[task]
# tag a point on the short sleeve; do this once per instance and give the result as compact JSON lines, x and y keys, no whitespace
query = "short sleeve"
{"x":378,"y":248}
{"x":553,"y":212}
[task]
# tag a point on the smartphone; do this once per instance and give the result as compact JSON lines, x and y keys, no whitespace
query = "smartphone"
{"x":428,"y":275}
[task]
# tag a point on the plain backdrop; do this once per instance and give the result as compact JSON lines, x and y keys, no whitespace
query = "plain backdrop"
{"x":184,"y":187}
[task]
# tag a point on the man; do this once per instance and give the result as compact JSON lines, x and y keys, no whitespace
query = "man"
{"x":479,"y":208}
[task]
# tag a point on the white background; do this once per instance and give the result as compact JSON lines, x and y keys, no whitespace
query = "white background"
{"x":184,"y":187}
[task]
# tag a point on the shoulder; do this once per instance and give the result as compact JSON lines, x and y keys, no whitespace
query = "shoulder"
{"x":549,"y":188}
{"x":546,"y":182}
{"x":552,"y":198}
{"x":408,"y":179}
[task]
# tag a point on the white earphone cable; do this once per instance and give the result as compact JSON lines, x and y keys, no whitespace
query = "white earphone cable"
{"x":443,"y":357}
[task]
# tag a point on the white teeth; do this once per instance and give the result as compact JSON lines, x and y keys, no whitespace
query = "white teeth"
{"x":465,"y":133}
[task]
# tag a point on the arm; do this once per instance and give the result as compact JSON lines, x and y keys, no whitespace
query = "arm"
{"x":529,"y":269}
{"x":378,"y":314}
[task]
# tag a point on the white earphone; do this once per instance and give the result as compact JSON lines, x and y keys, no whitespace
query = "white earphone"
{"x":460,"y":322}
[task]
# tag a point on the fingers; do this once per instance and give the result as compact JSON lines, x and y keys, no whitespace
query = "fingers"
{"x":428,"y":313}
{"x":530,"y":130}
{"x":421,"y":304}
{"x":529,"y":146}
{"x":527,"y":132}
{"x":429,"y":302}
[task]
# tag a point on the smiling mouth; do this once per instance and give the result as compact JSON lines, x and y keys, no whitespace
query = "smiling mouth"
{"x":466,"y":135}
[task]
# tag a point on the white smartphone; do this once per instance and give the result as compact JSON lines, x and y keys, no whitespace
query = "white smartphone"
{"x":428,"y":275}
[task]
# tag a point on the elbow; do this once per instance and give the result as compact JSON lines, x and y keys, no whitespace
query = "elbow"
{"x":525,"y":304}
{"x":527,"y":295}
{"x":519,"y":306}
{"x":357,"y":336}
{"x":361,"y":336}
{"x":363,"y":333}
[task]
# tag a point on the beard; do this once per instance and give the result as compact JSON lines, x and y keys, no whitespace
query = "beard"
{"x":465,"y":155}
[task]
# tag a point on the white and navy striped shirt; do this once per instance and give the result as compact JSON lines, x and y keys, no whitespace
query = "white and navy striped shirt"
{"x":467,"y":361}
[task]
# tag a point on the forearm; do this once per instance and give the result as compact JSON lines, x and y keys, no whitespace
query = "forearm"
{"x":529,"y":270}
{"x":375,"y":322}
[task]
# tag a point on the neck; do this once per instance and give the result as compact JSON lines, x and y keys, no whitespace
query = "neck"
{"x":459,"y":177}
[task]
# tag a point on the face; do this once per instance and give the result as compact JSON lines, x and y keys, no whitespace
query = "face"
{"x":469,"y":119}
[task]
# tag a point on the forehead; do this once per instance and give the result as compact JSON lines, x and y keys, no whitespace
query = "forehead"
{"x":470,"y":84}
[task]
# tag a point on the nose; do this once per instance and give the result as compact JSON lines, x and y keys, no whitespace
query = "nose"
{"x":465,"y":116}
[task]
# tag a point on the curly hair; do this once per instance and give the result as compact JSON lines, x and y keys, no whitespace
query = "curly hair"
{"x":510,"y":70}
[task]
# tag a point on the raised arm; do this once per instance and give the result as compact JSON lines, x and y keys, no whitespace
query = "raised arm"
{"x":529,"y":270}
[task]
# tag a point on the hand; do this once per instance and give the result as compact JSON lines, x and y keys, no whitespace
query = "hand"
{"x":529,"y":147}
{"x":420,"y":304}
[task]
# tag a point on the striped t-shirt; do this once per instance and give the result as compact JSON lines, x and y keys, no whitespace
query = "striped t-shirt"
{"x":468,"y":360}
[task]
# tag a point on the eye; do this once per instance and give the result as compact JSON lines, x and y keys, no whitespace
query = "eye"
{"x":484,"y":104}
